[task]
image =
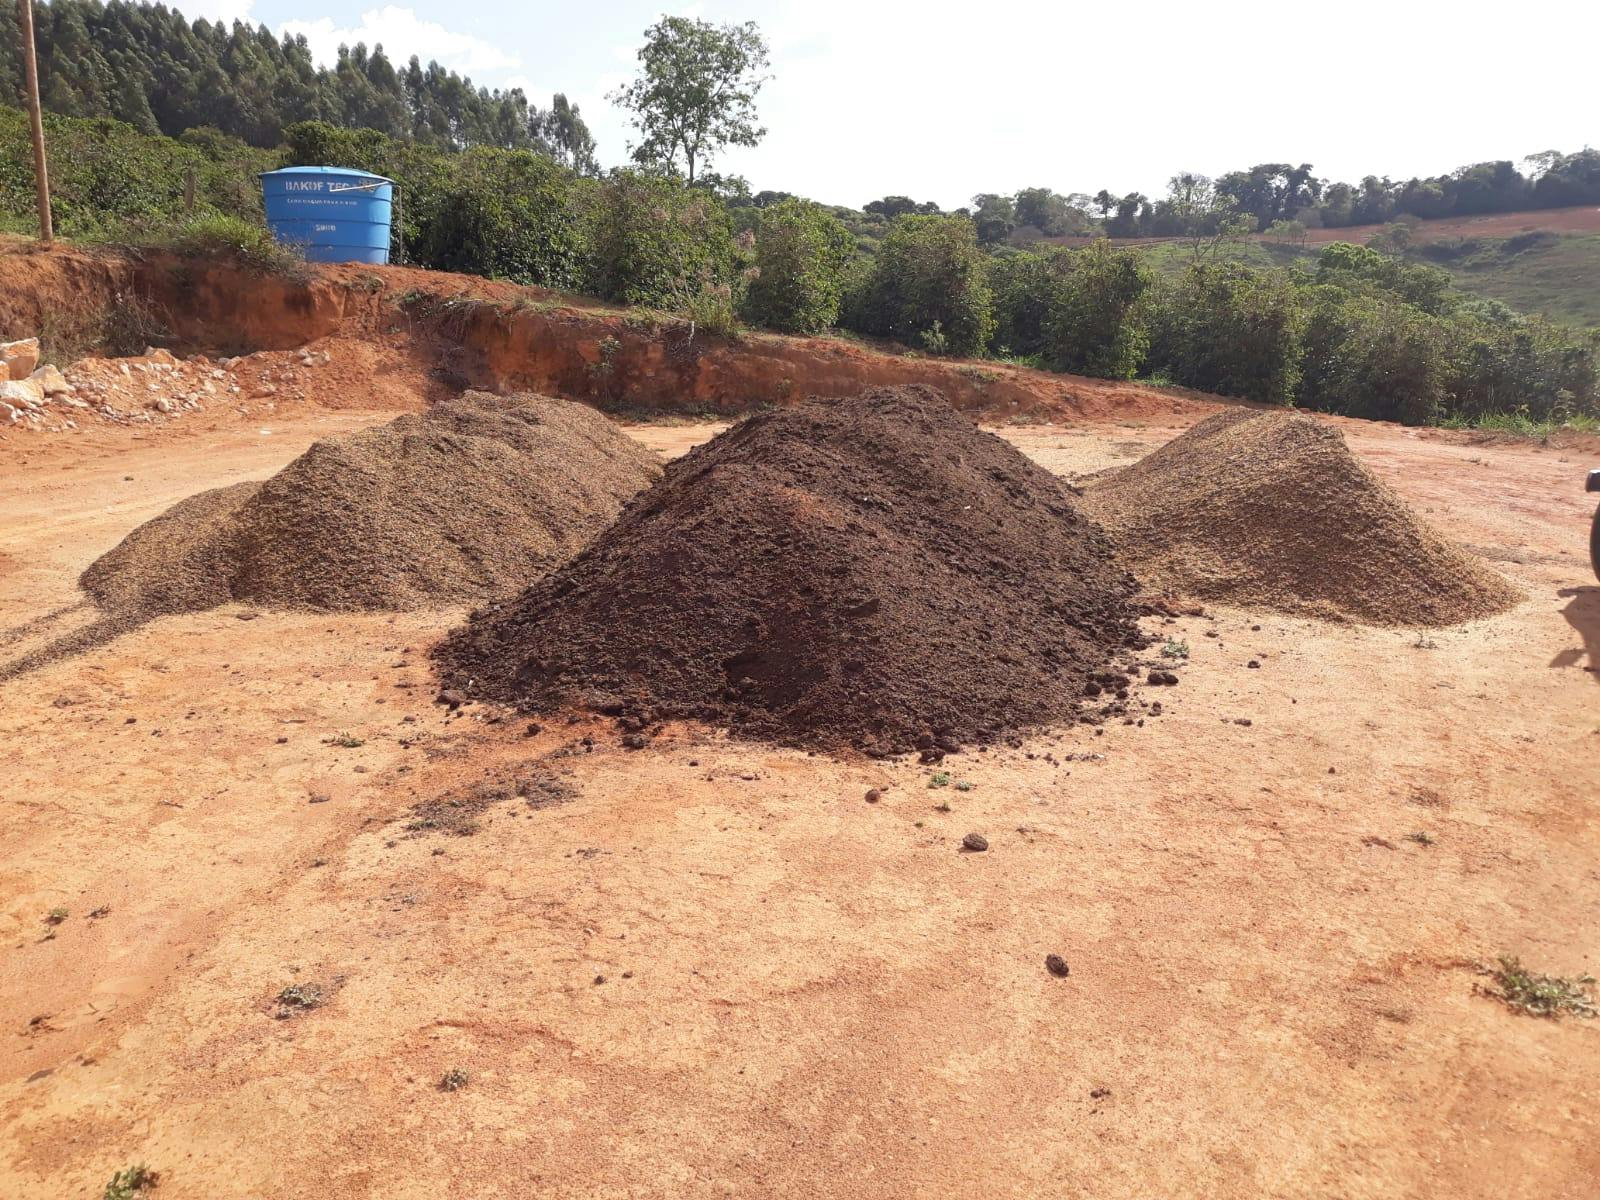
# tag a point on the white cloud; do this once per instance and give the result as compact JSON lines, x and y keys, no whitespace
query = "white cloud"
{"x":221,"y":12}
{"x":402,"y":33}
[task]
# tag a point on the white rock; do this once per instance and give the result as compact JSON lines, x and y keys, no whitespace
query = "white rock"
{"x":22,"y":393}
{"x":20,"y":357}
{"x":51,"y":380}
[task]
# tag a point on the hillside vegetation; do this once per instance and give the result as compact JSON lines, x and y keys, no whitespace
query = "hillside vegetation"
{"x":1349,"y":330}
{"x":1557,"y":274}
{"x":1554,"y":274}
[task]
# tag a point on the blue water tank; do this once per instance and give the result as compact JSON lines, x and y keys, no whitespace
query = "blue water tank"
{"x":331,"y":213}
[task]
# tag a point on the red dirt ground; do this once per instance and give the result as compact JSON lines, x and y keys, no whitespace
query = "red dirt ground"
{"x":713,"y":968}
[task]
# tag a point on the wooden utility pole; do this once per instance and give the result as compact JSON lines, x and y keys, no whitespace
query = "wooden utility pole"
{"x":41,"y":173}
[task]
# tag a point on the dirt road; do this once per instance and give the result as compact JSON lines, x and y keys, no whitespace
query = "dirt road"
{"x":710,"y":968}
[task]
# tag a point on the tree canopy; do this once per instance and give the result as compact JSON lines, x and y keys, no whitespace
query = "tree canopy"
{"x":695,"y":93}
{"x":161,"y":73}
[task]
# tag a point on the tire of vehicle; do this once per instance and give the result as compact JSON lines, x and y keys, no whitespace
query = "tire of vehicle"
{"x":1594,"y":544}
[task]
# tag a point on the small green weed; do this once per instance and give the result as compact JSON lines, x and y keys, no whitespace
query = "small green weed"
{"x":649,"y":321}
{"x":939,"y":779}
{"x":345,"y":741}
{"x":964,"y":786}
{"x":454,"y":1080}
{"x":608,"y":347}
{"x":55,"y":916}
{"x":299,"y":998}
{"x":1175,"y":649}
{"x":1539,"y":995}
{"x":712,"y":311}
{"x":980,"y":375}
{"x":130,"y":1183}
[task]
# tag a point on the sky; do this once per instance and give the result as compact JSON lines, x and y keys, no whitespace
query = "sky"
{"x":940,"y":101}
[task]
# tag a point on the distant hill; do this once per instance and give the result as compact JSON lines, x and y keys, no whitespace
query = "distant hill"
{"x":1544,"y":262}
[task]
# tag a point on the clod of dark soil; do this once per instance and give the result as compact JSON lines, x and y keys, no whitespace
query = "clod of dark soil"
{"x":873,"y":573}
{"x":975,"y":842}
{"x":456,"y":812}
{"x":464,"y":502}
{"x":1271,"y":509}
{"x":1057,"y":966}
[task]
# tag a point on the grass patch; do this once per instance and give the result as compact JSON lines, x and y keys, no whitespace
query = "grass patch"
{"x":1557,"y":274}
{"x":939,"y":779}
{"x":215,"y":236}
{"x":1549,"y":996}
{"x":345,"y":741}
{"x":1522,"y":425}
{"x":1173,"y":648}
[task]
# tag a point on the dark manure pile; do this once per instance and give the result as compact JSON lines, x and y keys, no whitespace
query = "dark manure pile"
{"x":873,"y":573}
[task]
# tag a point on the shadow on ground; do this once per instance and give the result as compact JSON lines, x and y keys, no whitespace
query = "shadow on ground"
{"x":1583,"y":614}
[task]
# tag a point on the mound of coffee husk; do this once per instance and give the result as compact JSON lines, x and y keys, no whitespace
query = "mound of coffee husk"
{"x":874,"y":573}
{"x":1271,"y":509}
{"x":466,"y":501}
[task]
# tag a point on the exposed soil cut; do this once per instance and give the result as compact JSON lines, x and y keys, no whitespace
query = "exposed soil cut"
{"x":874,"y":573}
{"x":467,"y":501}
{"x":1271,"y":509}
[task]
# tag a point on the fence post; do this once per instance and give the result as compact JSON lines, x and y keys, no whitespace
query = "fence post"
{"x":41,"y":173}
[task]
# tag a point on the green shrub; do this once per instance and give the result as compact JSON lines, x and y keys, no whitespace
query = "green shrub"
{"x":1525,"y":365}
{"x":929,"y":280}
{"x":1360,"y":268}
{"x":1222,"y":327}
{"x":710,"y":310}
{"x":105,"y":174}
{"x":801,"y":255}
{"x":1094,"y":322}
{"x":1022,"y":284}
{"x":507,"y":214}
{"x":1371,"y":357}
{"x":654,"y":241}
